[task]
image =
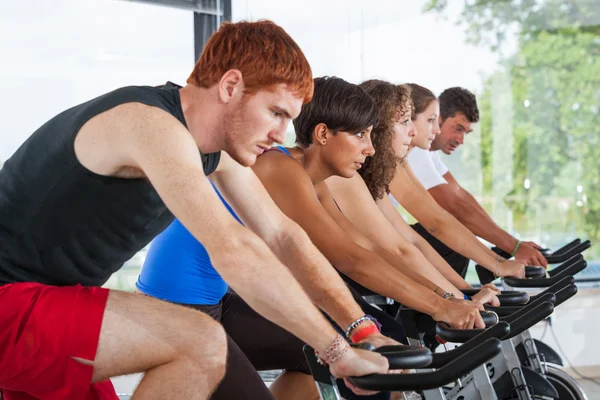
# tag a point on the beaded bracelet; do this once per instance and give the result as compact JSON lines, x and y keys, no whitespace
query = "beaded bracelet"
{"x":359,"y":321}
{"x":334,"y":352}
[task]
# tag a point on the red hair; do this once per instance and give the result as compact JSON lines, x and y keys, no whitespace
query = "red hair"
{"x":263,"y":52}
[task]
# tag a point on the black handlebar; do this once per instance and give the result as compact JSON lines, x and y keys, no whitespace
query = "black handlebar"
{"x":489,"y":318}
{"x":546,"y":282}
{"x":537,"y":314}
{"x":431,"y":380}
{"x":566,"y":247}
{"x":507,"y":297}
{"x":406,"y":357}
{"x":444,"y":332}
{"x":565,"y":294}
{"x":548,"y":297}
{"x":558,"y":256}
{"x":559,"y":268}
{"x":509,"y":313}
{"x":563,"y":283}
{"x":499,"y":331}
{"x":513,"y":298}
{"x":534,"y":272}
{"x":562,"y":257}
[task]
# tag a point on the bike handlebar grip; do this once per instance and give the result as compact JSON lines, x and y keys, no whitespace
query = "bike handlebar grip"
{"x":558,"y":269}
{"x":528,"y":320}
{"x":507,"y":297}
{"x":445,"y":332}
{"x":489,"y":318}
{"x":406,"y":357}
{"x":431,"y":380}
{"x":513,"y":298}
{"x":565,"y":294}
{"x":570,"y":253}
{"x":566,"y":247}
{"x":499,"y":331}
{"x":534,"y":272}
{"x":546,"y":282}
{"x":563,"y":283}
{"x":550,"y":297}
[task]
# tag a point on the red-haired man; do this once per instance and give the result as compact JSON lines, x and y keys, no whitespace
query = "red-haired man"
{"x":97,"y":182}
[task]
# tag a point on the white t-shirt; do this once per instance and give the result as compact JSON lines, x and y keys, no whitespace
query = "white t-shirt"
{"x":427,"y":167}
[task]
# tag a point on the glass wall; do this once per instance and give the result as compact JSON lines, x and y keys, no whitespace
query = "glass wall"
{"x":534,"y":66}
{"x":61,"y":53}
{"x":533,"y":160}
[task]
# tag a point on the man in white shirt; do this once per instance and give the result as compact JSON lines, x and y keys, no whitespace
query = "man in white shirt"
{"x":458,"y":112}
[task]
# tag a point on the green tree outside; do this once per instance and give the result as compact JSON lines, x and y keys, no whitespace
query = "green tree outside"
{"x":540,"y":113}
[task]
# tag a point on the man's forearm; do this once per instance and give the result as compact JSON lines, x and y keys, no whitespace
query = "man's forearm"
{"x":481,"y":224}
{"x":252,"y":270}
{"x":318,"y":278}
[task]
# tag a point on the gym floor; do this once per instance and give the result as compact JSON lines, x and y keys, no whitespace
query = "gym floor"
{"x":591,"y":389}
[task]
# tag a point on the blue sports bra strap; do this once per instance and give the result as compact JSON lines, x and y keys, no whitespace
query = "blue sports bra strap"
{"x":286,"y":151}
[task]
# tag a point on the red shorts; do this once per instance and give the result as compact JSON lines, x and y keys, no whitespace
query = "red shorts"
{"x":41,"y":328}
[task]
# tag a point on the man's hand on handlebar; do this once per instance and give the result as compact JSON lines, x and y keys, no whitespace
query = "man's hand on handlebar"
{"x":486,"y":296}
{"x":529,"y":254}
{"x":460,"y":314}
{"x":356,"y":362}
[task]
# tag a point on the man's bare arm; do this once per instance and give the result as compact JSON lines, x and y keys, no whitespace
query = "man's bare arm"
{"x":440,"y":223}
{"x":462,"y":205}
{"x":157,"y":144}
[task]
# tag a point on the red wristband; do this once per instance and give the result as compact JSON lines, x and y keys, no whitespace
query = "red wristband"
{"x":362,"y":333}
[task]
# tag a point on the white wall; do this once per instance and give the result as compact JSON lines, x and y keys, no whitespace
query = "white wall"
{"x":56,"y":54}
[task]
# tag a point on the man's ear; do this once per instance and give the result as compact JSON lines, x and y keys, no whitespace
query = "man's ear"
{"x":320,"y":134}
{"x":231,"y":85}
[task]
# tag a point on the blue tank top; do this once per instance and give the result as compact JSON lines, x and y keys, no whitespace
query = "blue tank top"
{"x":178,"y":269}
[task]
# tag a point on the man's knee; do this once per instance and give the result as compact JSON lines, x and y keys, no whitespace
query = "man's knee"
{"x":208,"y":348}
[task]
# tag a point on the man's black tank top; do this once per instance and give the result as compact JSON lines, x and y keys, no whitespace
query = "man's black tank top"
{"x":61,"y":224}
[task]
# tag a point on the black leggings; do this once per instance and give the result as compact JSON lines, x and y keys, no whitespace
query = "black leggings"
{"x":256,"y":344}
{"x":253,"y":344}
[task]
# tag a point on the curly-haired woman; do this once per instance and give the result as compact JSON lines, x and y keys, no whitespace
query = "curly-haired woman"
{"x":387,"y":172}
{"x":334,"y":141}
